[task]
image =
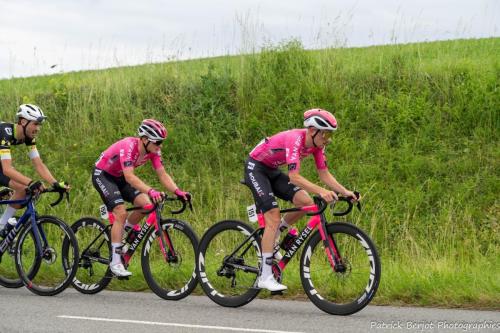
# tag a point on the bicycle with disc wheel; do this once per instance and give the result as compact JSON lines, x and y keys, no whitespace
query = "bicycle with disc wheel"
{"x":168,"y":256}
{"x":42,"y":248}
{"x":339,"y":267}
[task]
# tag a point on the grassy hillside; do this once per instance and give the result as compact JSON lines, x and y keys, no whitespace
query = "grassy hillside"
{"x":418,"y":136}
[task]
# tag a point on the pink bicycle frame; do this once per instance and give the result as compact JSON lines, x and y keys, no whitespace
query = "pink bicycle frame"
{"x":314,"y":222}
{"x":151,"y":220}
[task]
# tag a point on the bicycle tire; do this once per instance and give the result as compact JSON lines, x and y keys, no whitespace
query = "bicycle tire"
{"x":59,"y":253}
{"x":341,"y":293}
{"x":220,"y":282}
{"x":176,"y":279}
{"x":93,"y":273}
{"x":9,"y":278}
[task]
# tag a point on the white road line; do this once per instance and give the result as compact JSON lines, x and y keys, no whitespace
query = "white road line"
{"x":222,"y":328}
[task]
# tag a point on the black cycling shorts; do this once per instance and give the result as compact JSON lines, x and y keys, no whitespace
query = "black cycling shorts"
{"x":4,"y":180}
{"x":265,"y":183}
{"x":113,"y":190}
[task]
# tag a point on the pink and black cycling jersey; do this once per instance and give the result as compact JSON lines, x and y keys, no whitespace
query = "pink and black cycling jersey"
{"x":287,"y":148}
{"x":124,"y":154}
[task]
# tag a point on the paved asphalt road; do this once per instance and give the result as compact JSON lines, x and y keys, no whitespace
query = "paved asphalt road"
{"x":108,"y":311}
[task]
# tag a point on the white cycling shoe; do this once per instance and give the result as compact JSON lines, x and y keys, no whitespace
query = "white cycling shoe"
{"x":270,"y":284}
{"x":119,"y":270}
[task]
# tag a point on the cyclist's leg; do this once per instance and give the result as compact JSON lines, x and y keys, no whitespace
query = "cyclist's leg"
{"x":8,"y":273}
{"x":10,"y":210}
{"x":130,"y":194}
{"x":289,"y":192}
{"x":285,"y":190}
{"x":108,"y":188}
{"x":258,"y":178}
{"x":300,"y":199}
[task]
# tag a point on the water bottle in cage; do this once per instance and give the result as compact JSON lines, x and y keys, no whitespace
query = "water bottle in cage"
{"x":289,"y":239}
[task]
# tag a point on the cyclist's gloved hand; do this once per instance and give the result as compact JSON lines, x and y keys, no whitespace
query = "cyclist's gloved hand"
{"x":181,"y":195}
{"x":35,"y":186}
{"x":155,"y":195}
{"x":61,"y":186}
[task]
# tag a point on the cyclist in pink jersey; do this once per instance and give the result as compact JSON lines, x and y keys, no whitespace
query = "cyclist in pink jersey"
{"x":114,"y":179}
{"x":266,"y":181}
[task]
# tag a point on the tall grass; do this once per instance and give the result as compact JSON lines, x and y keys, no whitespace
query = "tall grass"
{"x":418,"y":136}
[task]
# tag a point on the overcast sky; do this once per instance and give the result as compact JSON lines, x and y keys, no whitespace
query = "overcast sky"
{"x":91,"y":34}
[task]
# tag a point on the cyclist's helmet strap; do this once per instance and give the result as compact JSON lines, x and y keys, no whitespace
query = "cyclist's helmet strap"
{"x":314,"y":136}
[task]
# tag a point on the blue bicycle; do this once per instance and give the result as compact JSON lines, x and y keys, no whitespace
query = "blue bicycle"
{"x":40,"y":252}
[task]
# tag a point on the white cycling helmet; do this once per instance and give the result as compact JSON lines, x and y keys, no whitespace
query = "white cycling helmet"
{"x":153,"y":130}
{"x":320,"y":119}
{"x":30,"y":112}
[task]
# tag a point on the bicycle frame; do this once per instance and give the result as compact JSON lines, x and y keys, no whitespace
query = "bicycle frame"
{"x":316,"y":221}
{"x":29,"y":214}
{"x":153,"y":220}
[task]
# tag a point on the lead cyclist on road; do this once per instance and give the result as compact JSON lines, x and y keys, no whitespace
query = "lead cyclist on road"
{"x":265,"y":180}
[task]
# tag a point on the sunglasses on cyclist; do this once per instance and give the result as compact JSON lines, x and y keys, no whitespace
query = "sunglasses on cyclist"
{"x":327,"y":135}
{"x":158,"y":142}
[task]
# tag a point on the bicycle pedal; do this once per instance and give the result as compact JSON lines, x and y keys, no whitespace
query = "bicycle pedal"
{"x":279,"y":292}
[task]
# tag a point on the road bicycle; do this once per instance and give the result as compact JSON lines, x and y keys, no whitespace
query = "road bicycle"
{"x":167,"y":257}
{"x":339,"y":267}
{"x":42,"y":248}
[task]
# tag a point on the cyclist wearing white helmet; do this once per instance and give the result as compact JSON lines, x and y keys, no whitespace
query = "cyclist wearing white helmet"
{"x":29,"y":119}
{"x":266,"y":181}
{"x":114,"y":179}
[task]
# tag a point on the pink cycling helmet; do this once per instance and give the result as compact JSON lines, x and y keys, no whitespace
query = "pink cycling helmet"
{"x":320,"y":119}
{"x":153,"y":130}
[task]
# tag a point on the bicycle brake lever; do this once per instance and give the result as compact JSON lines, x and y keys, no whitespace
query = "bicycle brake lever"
{"x":358,"y":205}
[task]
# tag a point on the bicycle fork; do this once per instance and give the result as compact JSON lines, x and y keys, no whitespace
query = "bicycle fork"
{"x":166,"y":245}
{"x":331,"y":248}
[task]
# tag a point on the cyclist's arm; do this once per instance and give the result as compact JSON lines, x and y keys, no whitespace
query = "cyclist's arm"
{"x":166,"y":180}
{"x":135,"y":181}
{"x":327,"y":178}
{"x":42,"y":170}
{"x":303,"y":183}
{"x":12,"y":173}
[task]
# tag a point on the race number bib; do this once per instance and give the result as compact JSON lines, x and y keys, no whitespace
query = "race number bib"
{"x":104,"y":212}
{"x":252,"y":213}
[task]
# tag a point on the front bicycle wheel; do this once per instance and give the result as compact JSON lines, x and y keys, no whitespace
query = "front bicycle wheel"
{"x":94,"y":240}
{"x":353,"y":285}
{"x":172,"y":277}
{"x":228,"y":263}
{"x":58,"y":260}
{"x":9,"y":277}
